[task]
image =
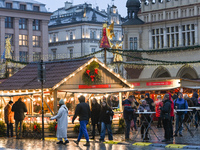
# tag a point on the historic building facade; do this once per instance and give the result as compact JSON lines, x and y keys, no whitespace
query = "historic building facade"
{"x":26,"y":22}
{"x":75,"y":30}
{"x":164,"y":24}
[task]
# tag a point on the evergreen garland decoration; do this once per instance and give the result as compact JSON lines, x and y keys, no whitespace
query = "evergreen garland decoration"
{"x":92,"y":75}
{"x":161,"y":61}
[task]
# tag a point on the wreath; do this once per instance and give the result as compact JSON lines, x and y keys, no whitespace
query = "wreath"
{"x":92,"y":75}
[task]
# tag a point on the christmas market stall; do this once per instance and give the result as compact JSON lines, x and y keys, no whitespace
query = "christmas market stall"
{"x":160,"y":86}
{"x":66,"y":79}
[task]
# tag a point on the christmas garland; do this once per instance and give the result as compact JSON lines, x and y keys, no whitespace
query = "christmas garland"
{"x":92,"y":75}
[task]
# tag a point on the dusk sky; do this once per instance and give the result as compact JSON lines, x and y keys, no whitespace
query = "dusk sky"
{"x":55,"y":4}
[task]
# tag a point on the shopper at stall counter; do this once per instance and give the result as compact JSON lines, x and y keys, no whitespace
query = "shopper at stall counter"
{"x":128,"y":114}
{"x":180,"y":103}
{"x":9,"y":118}
{"x":105,"y":119}
{"x":165,"y":115}
{"x":145,"y":118}
{"x":62,"y":119}
{"x":19,"y":108}
{"x":150,"y":102}
{"x":83,"y":111}
{"x":195,"y":102}
{"x":95,"y":113}
{"x":171,"y":117}
{"x":159,"y":104}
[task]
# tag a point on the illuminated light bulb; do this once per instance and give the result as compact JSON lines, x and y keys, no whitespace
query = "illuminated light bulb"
{"x":65,"y":80}
{"x":103,"y":65}
{"x":19,"y":91}
{"x":47,"y":89}
{"x":34,"y":99}
{"x":78,"y":96}
{"x":13,"y":91}
{"x":65,"y":100}
{"x":47,"y":100}
{"x":24,"y":100}
{"x":8,"y":92}
{"x":118,"y":75}
{"x":39,"y":99}
{"x":85,"y":95}
{"x":125,"y":81}
{"x":81,"y":68}
{"x":51,"y":99}
{"x":26,"y":91}
{"x":28,"y":100}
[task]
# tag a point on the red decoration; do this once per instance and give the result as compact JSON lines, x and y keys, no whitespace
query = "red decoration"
{"x":35,"y":127}
{"x":92,"y":77}
{"x":95,"y":71}
{"x":104,"y":40}
{"x":88,"y":72}
{"x":56,"y":127}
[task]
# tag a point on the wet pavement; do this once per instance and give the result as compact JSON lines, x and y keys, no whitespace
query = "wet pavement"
{"x":34,"y":144}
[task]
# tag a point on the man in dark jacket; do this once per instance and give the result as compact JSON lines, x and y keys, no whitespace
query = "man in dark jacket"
{"x":128,"y":113}
{"x":83,"y":111}
{"x":165,"y":115}
{"x":150,"y":102}
{"x":19,"y":108}
{"x":195,"y":102}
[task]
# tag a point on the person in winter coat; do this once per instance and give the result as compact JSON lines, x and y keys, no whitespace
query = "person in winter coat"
{"x":62,"y":118}
{"x":150,"y":102}
{"x":9,"y":118}
{"x":128,"y":114}
{"x":171,"y":116}
{"x":106,"y":116}
{"x":165,"y":115}
{"x":159,"y":104}
{"x":195,"y":102}
{"x":95,"y":113}
{"x":83,"y":111}
{"x":134,"y":105}
{"x":19,"y":108}
{"x":144,"y":106}
{"x":180,"y":103}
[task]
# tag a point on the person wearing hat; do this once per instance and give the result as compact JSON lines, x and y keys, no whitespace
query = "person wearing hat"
{"x":62,"y":118}
{"x":9,"y":118}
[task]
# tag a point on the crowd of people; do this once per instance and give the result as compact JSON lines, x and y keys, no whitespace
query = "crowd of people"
{"x":102,"y":114}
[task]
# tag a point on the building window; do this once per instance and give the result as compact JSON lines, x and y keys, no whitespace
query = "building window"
{"x":36,"y":41}
{"x":22,"y":7}
{"x":36,"y":24}
{"x":36,"y":8}
{"x":71,"y":36}
{"x":188,"y":33}
{"x":22,"y":23}
{"x":135,"y":43}
{"x":92,"y":34}
{"x":23,"y":56}
{"x":158,"y":38}
{"x":131,"y":43}
{"x":93,"y":50}
{"x":23,"y":40}
{"x":8,"y":22}
{"x":9,"y":36}
{"x":36,"y":56}
{"x":71,"y":53}
{"x":9,"y":5}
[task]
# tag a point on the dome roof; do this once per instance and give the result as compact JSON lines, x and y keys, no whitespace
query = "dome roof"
{"x":133,"y":3}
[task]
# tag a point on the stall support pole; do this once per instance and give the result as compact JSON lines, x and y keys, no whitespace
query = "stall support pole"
{"x":55,"y":101}
{"x":42,"y":112}
{"x":120,"y":101}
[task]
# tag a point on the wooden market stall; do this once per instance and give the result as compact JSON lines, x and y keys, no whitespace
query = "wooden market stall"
{"x":66,"y":79}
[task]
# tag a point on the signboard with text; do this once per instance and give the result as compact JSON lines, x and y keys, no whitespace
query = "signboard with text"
{"x":159,"y":83}
{"x":94,"y":86}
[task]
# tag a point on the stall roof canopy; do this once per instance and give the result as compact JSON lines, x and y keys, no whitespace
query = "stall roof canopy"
{"x":27,"y":78}
{"x":17,"y":94}
{"x":57,"y":74}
